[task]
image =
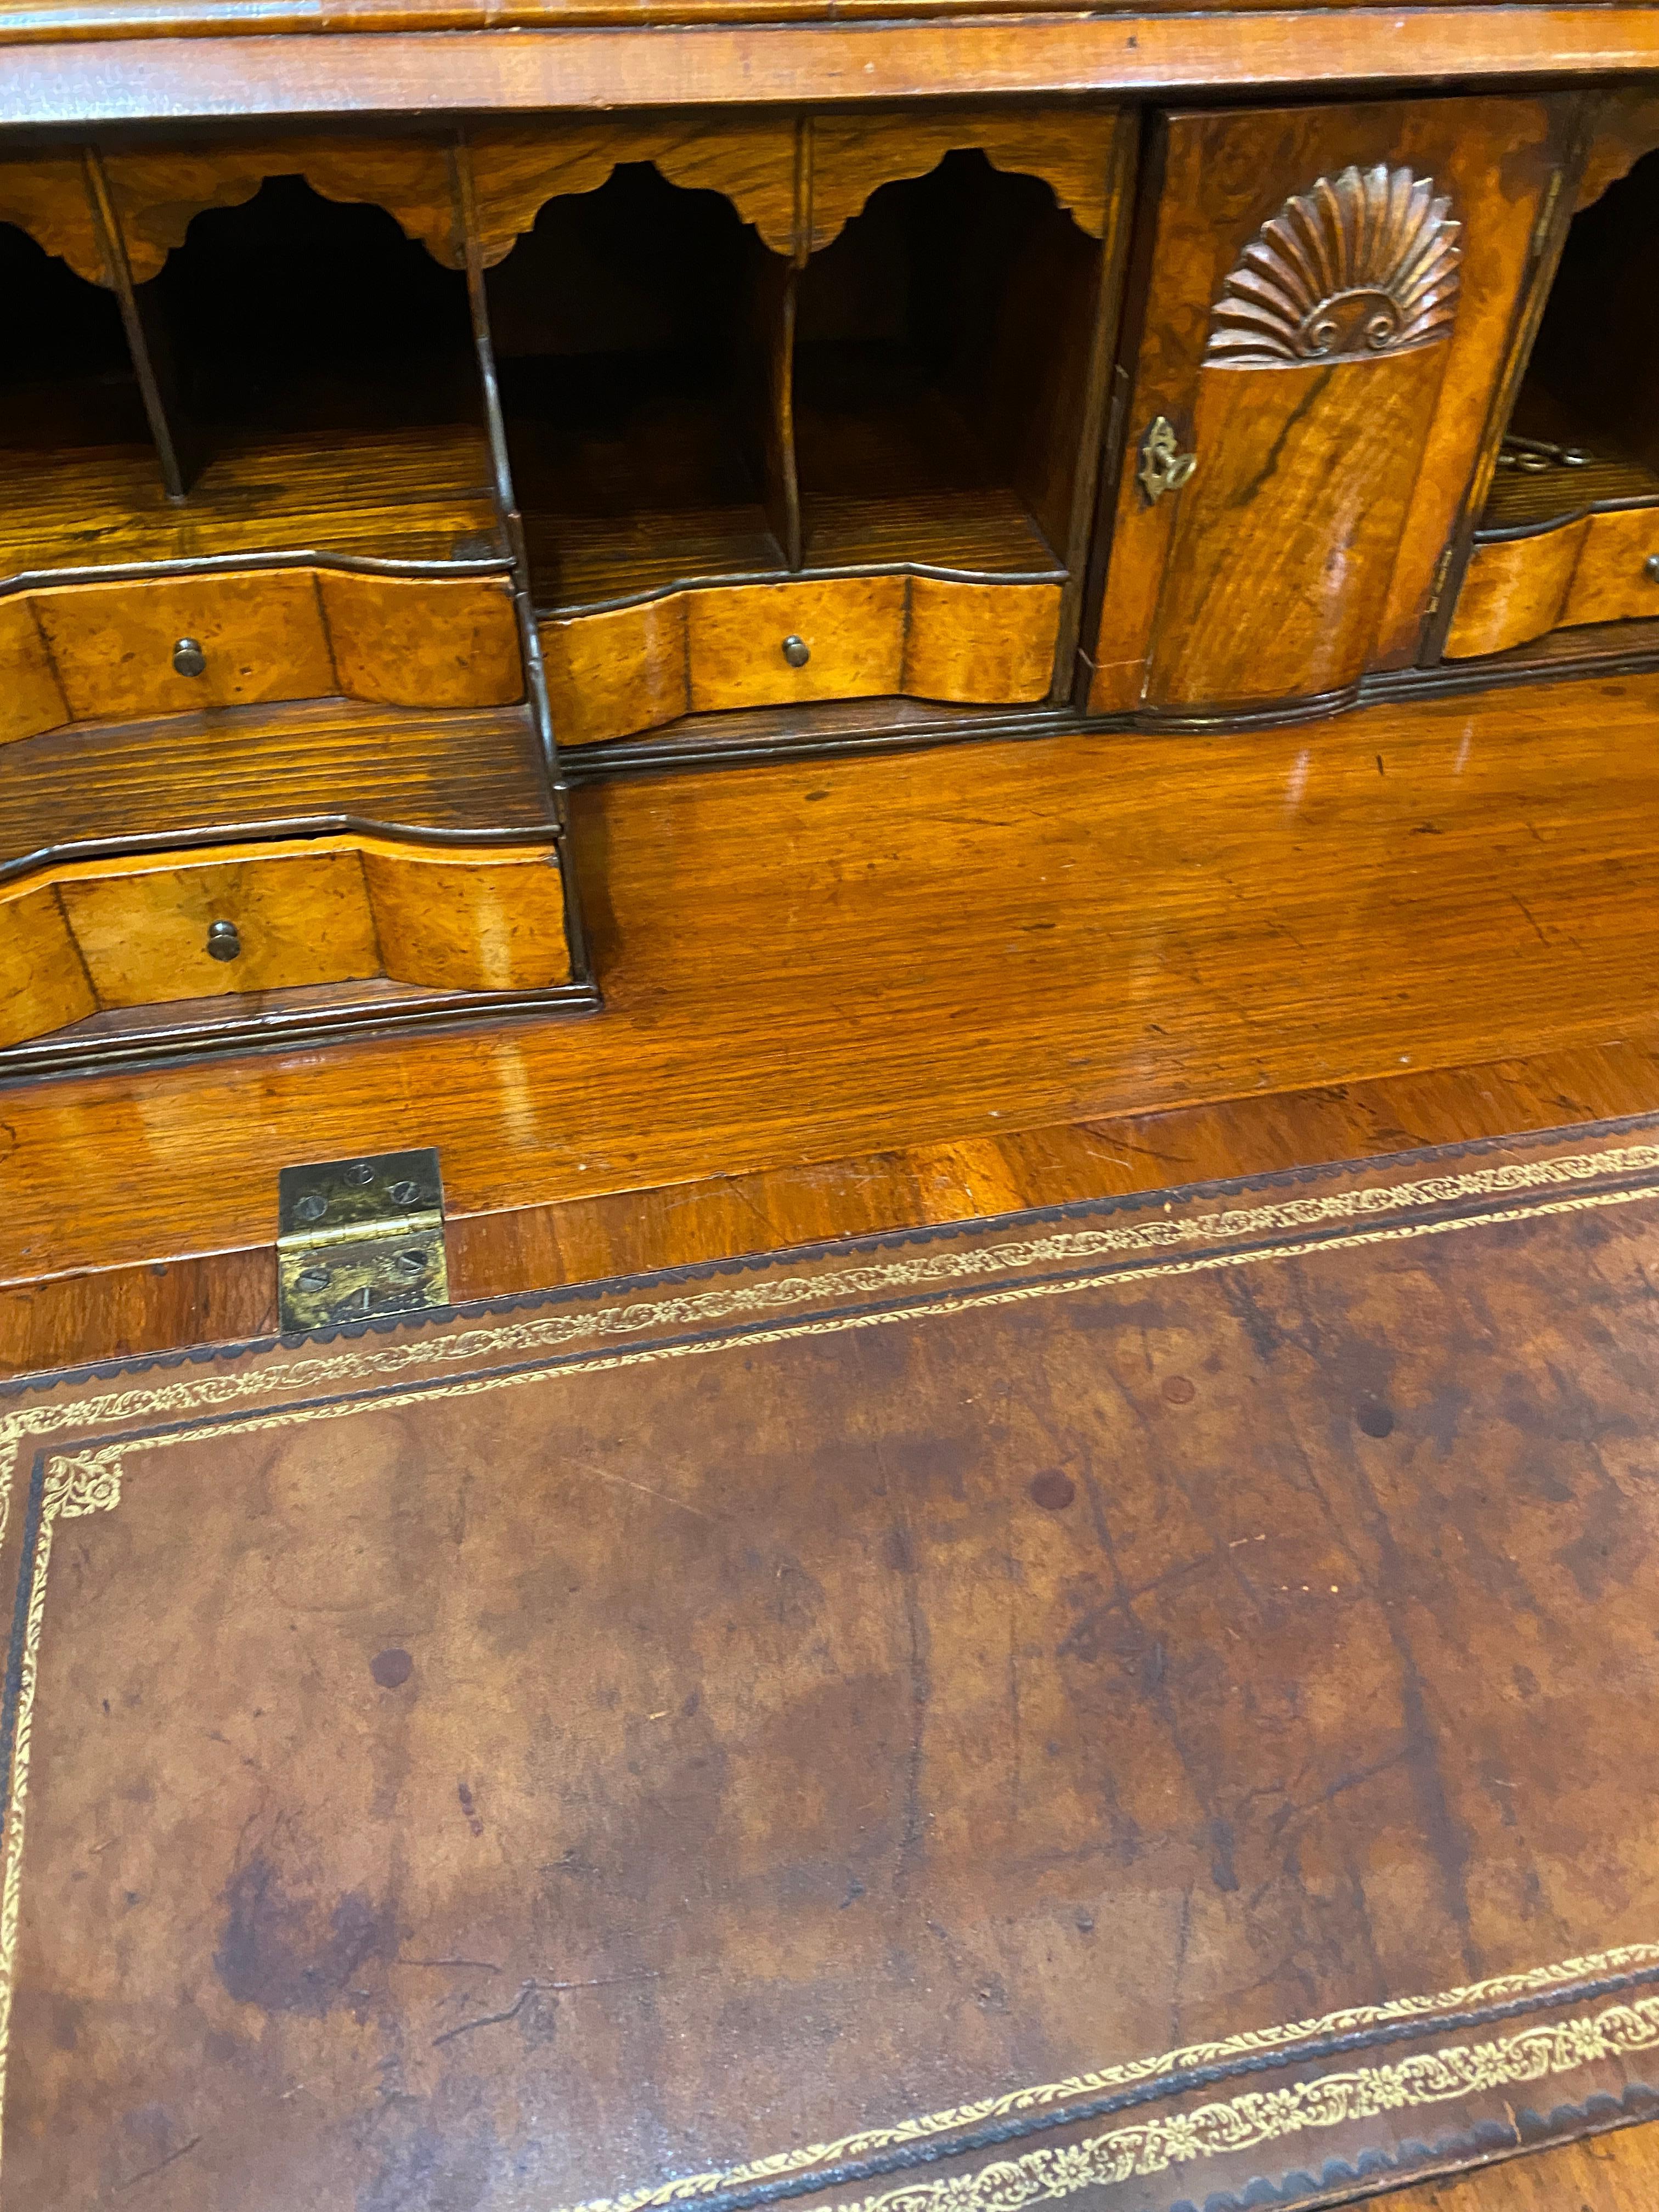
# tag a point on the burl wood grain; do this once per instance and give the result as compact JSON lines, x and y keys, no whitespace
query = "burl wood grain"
{"x":1610,"y":582}
{"x":31,"y":698}
{"x":399,"y":641}
{"x":709,"y":651}
{"x":301,"y":917}
{"x":854,"y":628}
{"x":103,"y":934}
{"x":852,"y":154}
{"x":979,"y":641}
{"x":105,"y":651}
{"x":112,"y":645}
{"x":1219,"y":178}
{"x":1514,"y":589}
{"x":624,"y":669}
{"x":490,"y":922}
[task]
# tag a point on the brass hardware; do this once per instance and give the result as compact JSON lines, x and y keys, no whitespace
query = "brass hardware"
{"x":224,"y":941}
{"x":1650,"y":567}
{"x":188,"y":657}
{"x":797,"y":651}
{"x":1534,"y":457}
{"x":1163,"y":467}
{"x":360,"y":1237}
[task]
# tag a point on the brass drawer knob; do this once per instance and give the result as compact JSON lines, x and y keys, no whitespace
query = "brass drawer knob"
{"x":797,"y":651}
{"x":1650,"y":567}
{"x":223,"y":942}
{"x":189,"y":659}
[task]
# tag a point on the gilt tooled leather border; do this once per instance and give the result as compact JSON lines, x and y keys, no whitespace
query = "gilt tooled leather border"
{"x":1540,"y":1175}
{"x":748,"y":1263}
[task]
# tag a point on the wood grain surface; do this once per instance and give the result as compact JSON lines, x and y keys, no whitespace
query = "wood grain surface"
{"x":1514,"y":588}
{"x":807,"y":961}
{"x":852,"y":155}
{"x":220,"y":768}
{"x":101,"y":935}
{"x":633,"y":668}
{"x":86,"y":652}
{"x":391,"y":493}
{"x":1306,"y":478}
{"x":107,"y":61}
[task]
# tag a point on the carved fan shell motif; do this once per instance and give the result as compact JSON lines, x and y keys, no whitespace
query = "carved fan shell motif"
{"x":1362,"y":265}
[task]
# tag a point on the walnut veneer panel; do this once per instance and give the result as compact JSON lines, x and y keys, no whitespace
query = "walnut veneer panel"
{"x":1280,"y":583}
{"x":301,"y":917}
{"x":47,"y":195}
{"x":157,"y":191}
{"x":92,"y":652}
{"x":1611,"y":582}
{"x":1514,"y":589}
{"x":1315,"y":539}
{"x":720,"y":649}
{"x":751,"y":159}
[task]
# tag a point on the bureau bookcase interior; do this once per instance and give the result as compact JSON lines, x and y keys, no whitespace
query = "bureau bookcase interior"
{"x":361,"y":486}
{"x":1567,"y":538}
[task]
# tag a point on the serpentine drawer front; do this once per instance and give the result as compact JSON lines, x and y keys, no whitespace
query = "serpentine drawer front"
{"x":126,"y":650}
{"x":84,"y":939}
{"x":1592,"y":568}
{"x":773,"y":645}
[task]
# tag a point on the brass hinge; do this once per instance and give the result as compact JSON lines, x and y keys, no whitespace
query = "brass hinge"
{"x":359,"y":1236}
{"x":1439,"y":583}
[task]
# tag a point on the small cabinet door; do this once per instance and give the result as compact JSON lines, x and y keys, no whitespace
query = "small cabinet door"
{"x":1319,"y":325}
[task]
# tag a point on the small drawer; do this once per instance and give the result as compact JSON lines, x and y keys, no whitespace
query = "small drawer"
{"x":125,"y":651}
{"x":1514,"y":589}
{"x":198,"y":929}
{"x":1612,"y":582}
{"x":771,"y":645}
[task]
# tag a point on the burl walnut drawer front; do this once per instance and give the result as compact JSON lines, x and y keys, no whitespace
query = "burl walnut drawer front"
{"x":1617,"y":577}
{"x":775,"y":645}
{"x":199,"y":929}
{"x":125,"y":652}
{"x":277,"y":917}
{"x":771,"y":644}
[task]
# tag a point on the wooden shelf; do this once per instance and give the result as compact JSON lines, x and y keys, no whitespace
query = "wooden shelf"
{"x":420,"y":495}
{"x":189,"y":776}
